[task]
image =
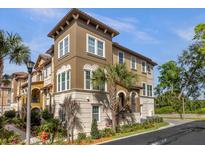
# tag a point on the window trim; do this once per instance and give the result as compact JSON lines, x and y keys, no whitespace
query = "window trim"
{"x":85,"y":79}
{"x":66,"y":78}
{"x":98,"y":112}
{"x":135,"y":62}
{"x":145,"y":89}
{"x":95,"y":45}
{"x":151,"y":89}
{"x":145,"y":66}
{"x":62,"y":40}
{"x":150,"y":68}
{"x":91,"y":85}
{"x":119,"y":51}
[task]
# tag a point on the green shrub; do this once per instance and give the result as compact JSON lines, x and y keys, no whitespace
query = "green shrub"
{"x":127,"y":128}
{"x":18,"y":122}
{"x":35,"y":118}
{"x":2,"y":122}
{"x":95,"y":133}
{"x":164,"y":110}
{"x":51,"y":127}
{"x":88,"y":140}
{"x":147,"y":124}
{"x":107,"y":132}
{"x":10,"y":114}
{"x":201,"y":111}
{"x":8,"y":137}
{"x":81,"y":136}
{"x":46,"y":115}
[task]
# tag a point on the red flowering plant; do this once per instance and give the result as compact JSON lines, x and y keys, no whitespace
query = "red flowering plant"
{"x":44,"y":137}
{"x":48,"y":131}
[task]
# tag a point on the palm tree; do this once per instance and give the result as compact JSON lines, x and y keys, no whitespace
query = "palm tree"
{"x":12,"y":47}
{"x":114,"y":75}
{"x":72,"y":109}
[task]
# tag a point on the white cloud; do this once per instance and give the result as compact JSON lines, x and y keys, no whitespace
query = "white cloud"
{"x":46,"y":13}
{"x":185,"y":33}
{"x":38,"y":45}
{"x":128,"y":25}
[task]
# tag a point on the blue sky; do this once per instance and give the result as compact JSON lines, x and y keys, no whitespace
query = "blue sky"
{"x":160,"y":34}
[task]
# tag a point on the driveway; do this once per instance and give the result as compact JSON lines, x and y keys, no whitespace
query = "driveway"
{"x":184,"y":132}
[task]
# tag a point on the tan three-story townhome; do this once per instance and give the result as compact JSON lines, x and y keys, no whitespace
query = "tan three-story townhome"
{"x":81,"y":45}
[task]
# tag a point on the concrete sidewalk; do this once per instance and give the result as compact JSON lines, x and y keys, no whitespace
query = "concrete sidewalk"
{"x":20,"y":132}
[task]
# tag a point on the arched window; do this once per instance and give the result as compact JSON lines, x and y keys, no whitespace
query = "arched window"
{"x":64,"y":78}
{"x":121,"y":95}
{"x":35,"y":96}
{"x":121,"y":99}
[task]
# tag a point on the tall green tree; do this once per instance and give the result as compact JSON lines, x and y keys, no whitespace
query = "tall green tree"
{"x":169,"y":77}
{"x":187,"y":74}
{"x":114,"y":75}
{"x":12,"y":47}
{"x":192,"y":61}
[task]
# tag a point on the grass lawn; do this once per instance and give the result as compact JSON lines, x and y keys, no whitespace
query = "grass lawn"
{"x":157,"y":126}
{"x":120,"y":135}
{"x":176,"y":118}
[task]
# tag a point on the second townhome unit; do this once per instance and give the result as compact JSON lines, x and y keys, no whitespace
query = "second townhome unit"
{"x":81,"y":45}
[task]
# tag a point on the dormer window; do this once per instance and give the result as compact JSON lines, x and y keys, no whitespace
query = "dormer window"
{"x":64,"y":46}
{"x":95,"y":46}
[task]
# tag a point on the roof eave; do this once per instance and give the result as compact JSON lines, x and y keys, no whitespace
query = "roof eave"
{"x":135,"y":53}
{"x":69,"y":16}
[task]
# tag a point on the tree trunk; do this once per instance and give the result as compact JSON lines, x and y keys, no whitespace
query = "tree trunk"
{"x":114,"y":122}
{"x":2,"y":102}
{"x":180,"y":94}
{"x":1,"y":68}
{"x":72,"y":134}
{"x":68,"y":135}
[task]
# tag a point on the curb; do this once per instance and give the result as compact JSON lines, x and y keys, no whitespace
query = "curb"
{"x":164,"y":127}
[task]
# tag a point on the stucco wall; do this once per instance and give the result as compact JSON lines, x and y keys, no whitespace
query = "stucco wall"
{"x":147,"y":106}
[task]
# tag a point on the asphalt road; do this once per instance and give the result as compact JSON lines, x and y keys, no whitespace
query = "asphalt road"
{"x":189,"y":133}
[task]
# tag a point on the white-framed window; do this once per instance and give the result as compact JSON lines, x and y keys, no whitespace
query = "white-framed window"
{"x":95,"y":46}
{"x":120,"y":57}
{"x":144,"y":67}
{"x":64,"y":46}
{"x":63,"y":81}
{"x":133,"y":63}
{"x":149,"y":68}
{"x":47,"y":71}
{"x":96,"y":113}
{"x":149,"y":90}
{"x":88,"y":83}
{"x":144,"y":89}
{"x":87,"y":79}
